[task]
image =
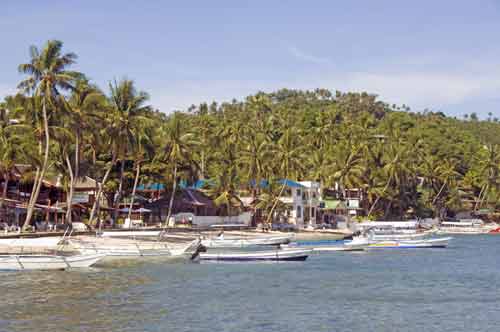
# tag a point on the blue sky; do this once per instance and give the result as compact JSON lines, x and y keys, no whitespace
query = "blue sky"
{"x":441,"y":55}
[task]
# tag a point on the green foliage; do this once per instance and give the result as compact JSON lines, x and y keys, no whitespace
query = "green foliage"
{"x":405,"y":163}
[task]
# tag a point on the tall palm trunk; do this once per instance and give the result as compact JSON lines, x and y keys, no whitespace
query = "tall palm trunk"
{"x":31,"y":206}
{"x":4,"y":196}
{"x":97,"y":199}
{"x":136,"y":181}
{"x":482,"y":196}
{"x":4,"y":191}
{"x":174,"y":188}
{"x":118,"y":195}
{"x":69,"y":197}
{"x":476,"y":205}
{"x":438,"y":213}
{"x":269,"y":216}
{"x":378,"y":197}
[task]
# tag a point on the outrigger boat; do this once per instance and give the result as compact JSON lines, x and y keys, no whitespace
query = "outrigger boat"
{"x":268,"y":255}
{"x":400,"y":244}
{"x":45,"y":242}
{"x":324,"y":246}
{"x":47,"y":262}
{"x":242,"y":242}
{"x":467,"y":226}
{"x":129,"y":249}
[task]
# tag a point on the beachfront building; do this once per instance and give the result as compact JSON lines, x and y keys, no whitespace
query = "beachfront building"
{"x":311,"y":200}
{"x":333,"y":213}
{"x":353,"y":199}
{"x":302,"y":202}
{"x":51,"y":204}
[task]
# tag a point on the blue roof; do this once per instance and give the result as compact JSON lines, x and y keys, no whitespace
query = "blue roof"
{"x":151,"y":186}
{"x":197,"y":185}
{"x":290,"y":183}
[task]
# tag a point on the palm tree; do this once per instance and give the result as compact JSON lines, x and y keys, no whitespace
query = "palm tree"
{"x":488,"y":161}
{"x":130,"y":110}
{"x":177,"y":149}
{"x":48,"y":73}
{"x":142,"y":148}
{"x":7,"y":157}
{"x":81,"y":109}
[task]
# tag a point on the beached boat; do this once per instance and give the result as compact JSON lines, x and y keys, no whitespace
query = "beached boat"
{"x":466,"y":226}
{"x":268,"y":255}
{"x":242,"y":242}
{"x":48,"y":262}
{"x":128,"y":249}
{"x":132,"y":233}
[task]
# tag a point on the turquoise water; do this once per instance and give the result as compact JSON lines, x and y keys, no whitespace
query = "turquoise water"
{"x":453,"y":289}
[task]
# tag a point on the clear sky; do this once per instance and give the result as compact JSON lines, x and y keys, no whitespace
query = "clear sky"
{"x":441,"y":55}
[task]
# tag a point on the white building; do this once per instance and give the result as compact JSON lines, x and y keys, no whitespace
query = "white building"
{"x":302,"y":199}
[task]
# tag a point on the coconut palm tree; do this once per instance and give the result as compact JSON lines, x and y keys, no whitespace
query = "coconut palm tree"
{"x":7,"y":155}
{"x":81,"y":111}
{"x":178,"y":144}
{"x":47,"y":74}
{"x":130,"y":111}
{"x":143,"y":149}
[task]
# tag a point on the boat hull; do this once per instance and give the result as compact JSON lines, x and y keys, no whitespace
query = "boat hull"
{"x":49,"y":241}
{"x":47,"y":262}
{"x":126,"y":249}
{"x":277,"y":255}
{"x":413,"y":244}
{"x":245,"y":242}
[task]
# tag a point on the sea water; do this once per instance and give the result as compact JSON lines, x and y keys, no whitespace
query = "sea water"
{"x":452,"y":289}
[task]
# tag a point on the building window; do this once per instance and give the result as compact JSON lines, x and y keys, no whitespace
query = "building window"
{"x":299,"y":192}
{"x":313,"y":212}
{"x":299,"y":212}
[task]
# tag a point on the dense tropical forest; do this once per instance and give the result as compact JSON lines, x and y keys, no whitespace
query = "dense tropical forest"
{"x":424,"y":163}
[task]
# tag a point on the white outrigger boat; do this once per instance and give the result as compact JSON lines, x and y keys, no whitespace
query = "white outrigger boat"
{"x":399,"y":244}
{"x":129,"y":249}
{"x":466,"y":226}
{"x":39,"y":242}
{"x":325,"y":246}
{"x":268,"y":255}
{"x":242,"y":242}
{"x":47,"y":262}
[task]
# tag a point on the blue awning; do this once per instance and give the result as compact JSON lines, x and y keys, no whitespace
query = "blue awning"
{"x":290,"y":183}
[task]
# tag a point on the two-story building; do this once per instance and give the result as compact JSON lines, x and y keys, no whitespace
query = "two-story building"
{"x":302,"y":201}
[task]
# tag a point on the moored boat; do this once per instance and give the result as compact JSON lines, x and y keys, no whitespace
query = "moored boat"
{"x":48,"y":262}
{"x":324,"y":246}
{"x":268,"y":255}
{"x":401,"y":244}
{"x":242,"y":242}
{"x":129,"y":249}
{"x":472,"y":226}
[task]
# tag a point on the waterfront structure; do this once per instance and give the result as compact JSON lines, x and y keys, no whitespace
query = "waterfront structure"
{"x":302,"y":199}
